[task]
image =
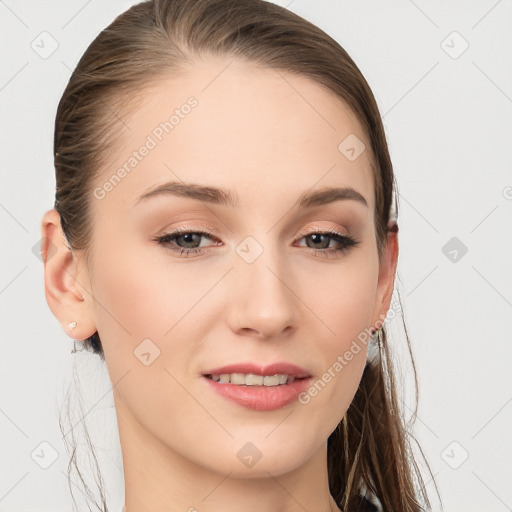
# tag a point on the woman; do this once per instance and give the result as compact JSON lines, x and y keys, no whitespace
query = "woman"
{"x":223,"y":237}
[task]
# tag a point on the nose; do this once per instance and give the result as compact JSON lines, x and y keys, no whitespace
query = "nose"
{"x":262,"y":303}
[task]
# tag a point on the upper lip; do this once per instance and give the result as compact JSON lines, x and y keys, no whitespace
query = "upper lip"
{"x":273,"y":369}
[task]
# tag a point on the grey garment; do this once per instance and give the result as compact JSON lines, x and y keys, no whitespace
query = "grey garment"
{"x":370,"y":504}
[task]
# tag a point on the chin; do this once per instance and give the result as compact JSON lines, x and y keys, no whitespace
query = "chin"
{"x":253,"y":460}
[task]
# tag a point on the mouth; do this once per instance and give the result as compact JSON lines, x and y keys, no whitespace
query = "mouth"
{"x":253,"y":374}
{"x":251,"y":379}
{"x":257,"y":392}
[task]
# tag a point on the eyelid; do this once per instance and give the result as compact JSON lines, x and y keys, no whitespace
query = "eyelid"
{"x":187,"y":228}
{"x":328,"y":229}
{"x":211,"y":230}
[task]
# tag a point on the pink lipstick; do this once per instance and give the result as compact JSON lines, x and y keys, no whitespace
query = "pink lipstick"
{"x":257,"y":387}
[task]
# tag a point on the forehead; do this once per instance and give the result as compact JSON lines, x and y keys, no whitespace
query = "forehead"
{"x":251,"y":129}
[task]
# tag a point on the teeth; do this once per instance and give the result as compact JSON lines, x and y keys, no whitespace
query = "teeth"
{"x":251,"y":379}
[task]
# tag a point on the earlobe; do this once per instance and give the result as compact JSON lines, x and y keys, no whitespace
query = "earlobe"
{"x":66,"y":296}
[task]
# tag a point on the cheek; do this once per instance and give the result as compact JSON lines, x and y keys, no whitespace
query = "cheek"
{"x":137,"y":304}
{"x":139,"y":309}
{"x":343,"y":300}
{"x":140,"y":295}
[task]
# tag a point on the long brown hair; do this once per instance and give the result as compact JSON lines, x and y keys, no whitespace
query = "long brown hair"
{"x":370,"y":450}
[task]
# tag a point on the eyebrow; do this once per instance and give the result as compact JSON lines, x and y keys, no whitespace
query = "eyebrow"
{"x":223,"y":197}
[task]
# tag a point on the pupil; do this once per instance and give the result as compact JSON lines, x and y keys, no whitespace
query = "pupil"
{"x":187,"y":237}
{"x":316,"y":238}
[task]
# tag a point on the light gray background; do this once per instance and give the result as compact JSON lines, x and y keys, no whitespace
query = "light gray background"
{"x":449,"y":125}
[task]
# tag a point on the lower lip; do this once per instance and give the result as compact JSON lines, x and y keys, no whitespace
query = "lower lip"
{"x":260,"y":398}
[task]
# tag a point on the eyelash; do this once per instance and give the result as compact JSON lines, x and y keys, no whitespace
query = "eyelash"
{"x":346,"y":241}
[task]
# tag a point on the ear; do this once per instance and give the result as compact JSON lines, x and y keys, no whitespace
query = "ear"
{"x":386,"y":280}
{"x":67,"y":297}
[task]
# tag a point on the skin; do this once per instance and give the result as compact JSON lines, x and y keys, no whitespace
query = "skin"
{"x":254,"y":134}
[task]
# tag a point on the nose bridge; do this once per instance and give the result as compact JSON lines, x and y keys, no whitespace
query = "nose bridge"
{"x":262,"y":299}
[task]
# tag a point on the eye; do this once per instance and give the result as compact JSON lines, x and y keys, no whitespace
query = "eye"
{"x":184,"y":236}
{"x":319,"y":238}
{"x":186,"y":241}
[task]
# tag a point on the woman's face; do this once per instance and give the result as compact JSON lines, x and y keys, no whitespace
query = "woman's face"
{"x":261,"y":288}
